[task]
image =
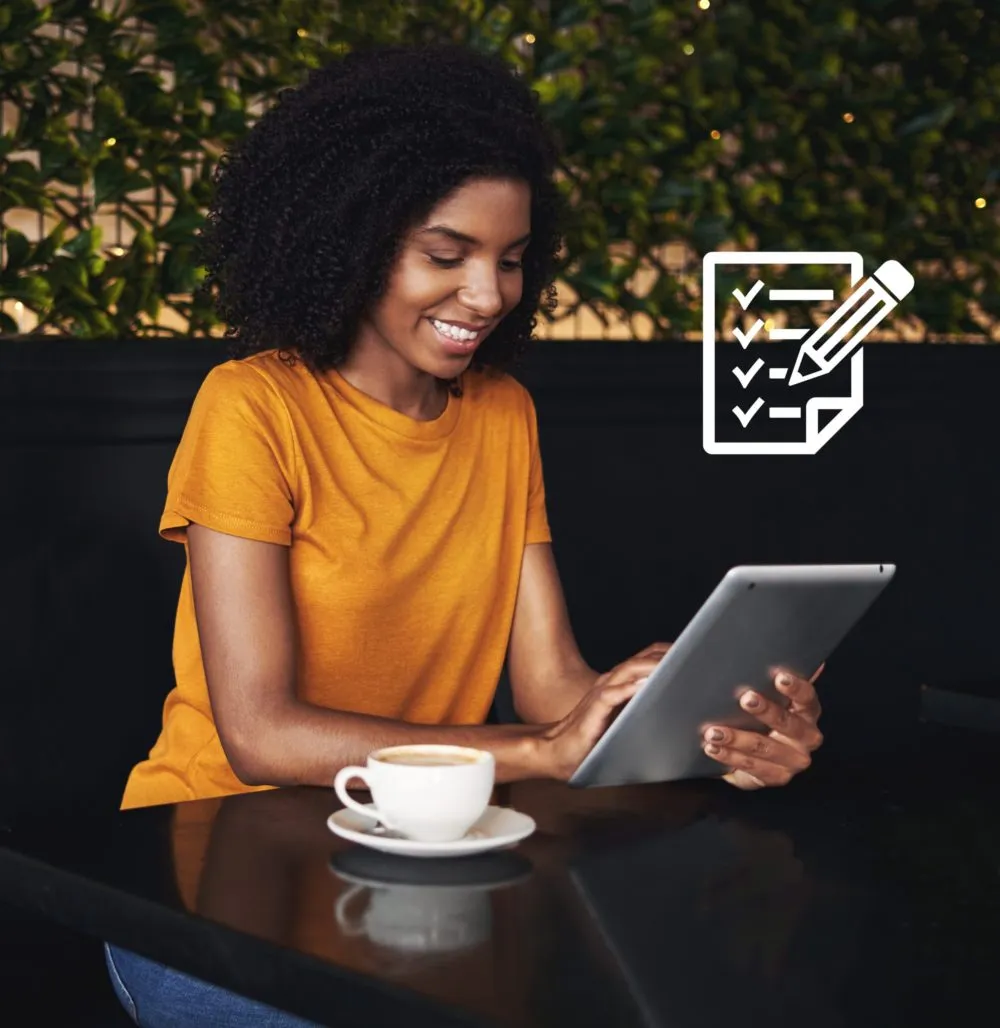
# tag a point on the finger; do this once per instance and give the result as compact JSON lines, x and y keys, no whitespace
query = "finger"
{"x":657,"y":649}
{"x":632,"y":669}
{"x":768,"y":749}
{"x":794,"y":726}
{"x":602,"y":705}
{"x":762,"y":770}
{"x":800,"y":692}
{"x":615,"y":694}
{"x":743,"y":780}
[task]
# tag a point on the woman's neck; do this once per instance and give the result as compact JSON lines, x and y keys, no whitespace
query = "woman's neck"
{"x":408,"y":390}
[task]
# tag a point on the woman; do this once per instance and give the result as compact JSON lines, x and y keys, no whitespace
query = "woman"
{"x":360,"y":489}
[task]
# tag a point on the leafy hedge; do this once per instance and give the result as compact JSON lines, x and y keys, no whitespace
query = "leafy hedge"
{"x":771,"y":124}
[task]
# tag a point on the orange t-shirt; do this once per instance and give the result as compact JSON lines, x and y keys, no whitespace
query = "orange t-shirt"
{"x":406,"y":539}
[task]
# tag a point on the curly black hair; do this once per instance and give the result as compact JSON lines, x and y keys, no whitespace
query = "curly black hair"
{"x":311,"y":207}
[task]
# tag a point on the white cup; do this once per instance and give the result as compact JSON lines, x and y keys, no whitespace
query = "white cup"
{"x":428,"y":793}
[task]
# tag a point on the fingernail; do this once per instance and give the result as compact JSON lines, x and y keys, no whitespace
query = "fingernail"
{"x":712,"y":750}
{"x":716,"y":734}
{"x":751,"y":700}
{"x":784,"y":681}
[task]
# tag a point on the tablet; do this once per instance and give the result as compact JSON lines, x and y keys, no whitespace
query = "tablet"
{"x":757,"y":618}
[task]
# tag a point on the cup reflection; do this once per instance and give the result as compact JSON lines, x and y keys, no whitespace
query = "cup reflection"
{"x":421,"y":906}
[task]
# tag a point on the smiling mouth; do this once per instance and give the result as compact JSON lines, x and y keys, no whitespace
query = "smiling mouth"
{"x":459,"y":335}
{"x":456,"y":343}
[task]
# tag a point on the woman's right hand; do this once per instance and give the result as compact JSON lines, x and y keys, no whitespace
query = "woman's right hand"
{"x":565,"y":743}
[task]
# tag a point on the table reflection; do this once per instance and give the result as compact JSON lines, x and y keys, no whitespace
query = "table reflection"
{"x":266,"y":864}
{"x":701,"y":924}
{"x":639,"y":905}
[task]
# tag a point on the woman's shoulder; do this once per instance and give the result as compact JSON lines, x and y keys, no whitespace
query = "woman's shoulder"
{"x":254,"y":392}
{"x":265,"y":376}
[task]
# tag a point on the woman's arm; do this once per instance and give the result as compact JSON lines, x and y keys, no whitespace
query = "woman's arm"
{"x":244,"y":610}
{"x":548,"y":675}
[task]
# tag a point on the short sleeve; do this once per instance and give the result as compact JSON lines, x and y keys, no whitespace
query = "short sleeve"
{"x":537,"y":527}
{"x":234,"y":467}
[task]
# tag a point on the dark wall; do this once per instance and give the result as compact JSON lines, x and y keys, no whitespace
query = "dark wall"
{"x":644,"y":521}
{"x":86,"y":438}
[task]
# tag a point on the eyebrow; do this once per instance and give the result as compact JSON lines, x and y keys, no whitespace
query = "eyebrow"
{"x":461,"y":237}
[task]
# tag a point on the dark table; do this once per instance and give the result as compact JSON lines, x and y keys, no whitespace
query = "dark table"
{"x":865,"y":893}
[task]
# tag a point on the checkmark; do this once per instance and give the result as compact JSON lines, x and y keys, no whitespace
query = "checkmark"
{"x":747,"y":416}
{"x":747,"y":298}
{"x":747,"y":338}
{"x":746,"y":376}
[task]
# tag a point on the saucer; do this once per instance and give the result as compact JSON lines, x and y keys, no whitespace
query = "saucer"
{"x":497,"y":869}
{"x":436,"y":887}
{"x":498,"y":828}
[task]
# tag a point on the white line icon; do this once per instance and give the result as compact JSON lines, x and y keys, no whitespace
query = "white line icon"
{"x":858,"y":315}
{"x":726,"y":425}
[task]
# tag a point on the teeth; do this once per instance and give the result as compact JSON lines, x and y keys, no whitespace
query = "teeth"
{"x":461,"y":335}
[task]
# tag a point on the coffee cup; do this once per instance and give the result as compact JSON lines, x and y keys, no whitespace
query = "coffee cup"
{"x":428,"y":793}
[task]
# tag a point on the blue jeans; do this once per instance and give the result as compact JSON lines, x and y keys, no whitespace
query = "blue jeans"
{"x":155,"y":996}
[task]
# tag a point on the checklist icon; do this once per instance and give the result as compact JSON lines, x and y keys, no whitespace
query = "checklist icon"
{"x":754,"y":400}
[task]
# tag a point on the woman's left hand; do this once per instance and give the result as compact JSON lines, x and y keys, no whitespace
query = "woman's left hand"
{"x":755,"y":760}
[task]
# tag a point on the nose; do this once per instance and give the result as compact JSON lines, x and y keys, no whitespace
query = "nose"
{"x":481,"y":291}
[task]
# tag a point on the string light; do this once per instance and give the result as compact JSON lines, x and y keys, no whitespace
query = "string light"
{"x":688,"y":49}
{"x":530,"y":38}
{"x":110,"y":141}
{"x":704,"y":4}
{"x":715,"y":134}
{"x":848,"y":117}
{"x":980,"y":202}
{"x":769,"y":324}
{"x":302,"y":33}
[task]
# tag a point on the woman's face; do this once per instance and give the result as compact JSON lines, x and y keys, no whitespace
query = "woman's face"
{"x":457,"y":276}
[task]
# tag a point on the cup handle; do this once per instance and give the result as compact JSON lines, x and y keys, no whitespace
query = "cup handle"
{"x":344,"y":775}
{"x":347,"y":926}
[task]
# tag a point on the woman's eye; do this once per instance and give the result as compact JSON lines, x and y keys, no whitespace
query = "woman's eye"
{"x":453,"y":262}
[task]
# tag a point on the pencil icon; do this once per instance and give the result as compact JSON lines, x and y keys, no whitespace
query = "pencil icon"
{"x":827,"y":345}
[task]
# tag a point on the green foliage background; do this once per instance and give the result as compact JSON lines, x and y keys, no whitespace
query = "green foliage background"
{"x":635,"y":90}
